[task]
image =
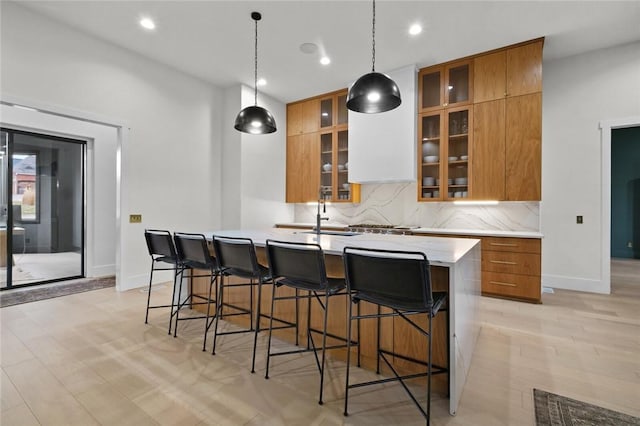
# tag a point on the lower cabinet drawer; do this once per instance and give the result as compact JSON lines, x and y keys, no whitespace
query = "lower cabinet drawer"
{"x":511,"y":263}
{"x":511,"y":285}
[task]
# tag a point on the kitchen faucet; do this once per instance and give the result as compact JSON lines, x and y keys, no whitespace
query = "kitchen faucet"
{"x":319,"y":218}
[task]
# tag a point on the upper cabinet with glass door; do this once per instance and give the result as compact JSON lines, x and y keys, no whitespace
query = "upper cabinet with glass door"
{"x":445,"y":86}
{"x":317,"y":150}
{"x":333,"y":110}
{"x":334,"y":136}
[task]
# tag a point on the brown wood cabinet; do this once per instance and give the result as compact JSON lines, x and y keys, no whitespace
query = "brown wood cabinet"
{"x":498,"y":149}
{"x":317,"y":150}
{"x":488,"y":160}
{"x":507,"y":150}
{"x":445,"y":85}
{"x":507,"y":126}
{"x":444,"y":152}
{"x":512,"y":71}
{"x":511,"y":267}
{"x":303,"y":117}
{"x":303,"y":160}
{"x":523,"y":148}
{"x":445,"y":131}
{"x":524,"y":69}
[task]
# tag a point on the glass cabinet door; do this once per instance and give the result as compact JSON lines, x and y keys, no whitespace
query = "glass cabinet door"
{"x":458,"y":84}
{"x":431,"y":93}
{"x":344,"y":187}
{"x":326,"y":165}
{"x":445,"y":86}
{"x":341,"y":108}
{"x":458,"y":153}
{"x":326,"y":112}
{"x":430,"y":131}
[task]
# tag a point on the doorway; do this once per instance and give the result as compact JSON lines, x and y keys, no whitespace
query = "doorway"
{"x":42,"y":208}
{"x":625,"y":193}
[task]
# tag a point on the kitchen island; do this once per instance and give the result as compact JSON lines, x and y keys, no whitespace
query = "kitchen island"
{"x":455,"y":267}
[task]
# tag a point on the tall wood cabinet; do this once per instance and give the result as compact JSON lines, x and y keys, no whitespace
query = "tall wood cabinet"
{"x":317,"y":150}
{"x":508,"y":123}
{"x":493,"y":150}
{"x":445,"y":139}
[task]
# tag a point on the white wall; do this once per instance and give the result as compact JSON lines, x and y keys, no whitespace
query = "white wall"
{"x":263,"y":174}
{"x":171,"y":158}
{"x":579,"y":92}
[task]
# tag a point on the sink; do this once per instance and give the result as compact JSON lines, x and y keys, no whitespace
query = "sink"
{"x":337,"y":233}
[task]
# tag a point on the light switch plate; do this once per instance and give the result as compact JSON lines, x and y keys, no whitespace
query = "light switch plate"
{"x":135,"y":218}
{"x":578,"y":219}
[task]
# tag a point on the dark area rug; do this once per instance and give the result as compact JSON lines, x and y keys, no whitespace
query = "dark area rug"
{"x":49,"y":291}
{"x":556,"y":410}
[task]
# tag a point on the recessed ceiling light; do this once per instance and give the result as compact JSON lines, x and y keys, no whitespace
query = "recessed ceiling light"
{"x":415,"y":29}
{"x":147,"y":23}
{"x":325,"y":60}
{"x":262,"y":82}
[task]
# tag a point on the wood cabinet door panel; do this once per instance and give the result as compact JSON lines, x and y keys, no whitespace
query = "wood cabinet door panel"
{"x":524,"y":69}
{"x":511,"y":263}
{"x":514,"y":245}
{"x":310,"y":116}
{"x":489,"y":76}
{"x":524,"y":147}
{"x":511,"y":285}
{"x":303,"y":165}
{"x":294,"y":119}
{"x":488,"y":159}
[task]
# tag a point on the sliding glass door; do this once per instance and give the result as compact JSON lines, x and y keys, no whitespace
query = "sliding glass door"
{"x":41,"y":209}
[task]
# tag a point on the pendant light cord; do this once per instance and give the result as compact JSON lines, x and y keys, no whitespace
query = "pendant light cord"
{"x":373,"y":39}
{"x":255,"y":69}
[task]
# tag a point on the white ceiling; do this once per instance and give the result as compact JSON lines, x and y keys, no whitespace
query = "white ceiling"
{"x":213,"y":40}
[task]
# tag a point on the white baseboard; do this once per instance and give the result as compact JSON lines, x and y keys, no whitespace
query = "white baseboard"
{"x":101,"y":271}
{"x":142,"y":280}
{"x":575,"y":284}
{"x":131,"y":282}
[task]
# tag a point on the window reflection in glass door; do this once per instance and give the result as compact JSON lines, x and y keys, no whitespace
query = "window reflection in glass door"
{"x":42,"y":207}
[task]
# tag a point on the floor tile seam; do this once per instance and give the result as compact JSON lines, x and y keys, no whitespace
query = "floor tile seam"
{"x":22,"y":400}
{"x":174,"y":395}
{"x":62,"y":385}
{"x":78,"y":396}
{"x":509,"y":331}
{"x":28,"y":407}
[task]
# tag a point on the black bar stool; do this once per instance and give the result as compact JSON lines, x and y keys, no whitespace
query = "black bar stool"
{"x":193,"y":253}
{"x":163,"y":252}
{"x":237,"y":257}
{"x":301,"y":266}
{"x":401,"y":281}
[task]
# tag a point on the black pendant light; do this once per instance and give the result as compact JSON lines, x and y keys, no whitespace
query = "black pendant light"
{"x":254,"y":119}
{"x":374,"y":92}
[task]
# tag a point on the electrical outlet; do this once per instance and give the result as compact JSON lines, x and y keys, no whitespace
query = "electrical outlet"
{"x":630,"y":244}
{"x":579,"y":219}
{"x":135,"y":218}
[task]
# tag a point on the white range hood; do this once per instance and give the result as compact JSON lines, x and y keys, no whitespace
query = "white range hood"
{"x":382,"y":147}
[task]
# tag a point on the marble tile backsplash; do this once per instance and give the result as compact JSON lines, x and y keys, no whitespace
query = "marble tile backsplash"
{"x":396,"y":204}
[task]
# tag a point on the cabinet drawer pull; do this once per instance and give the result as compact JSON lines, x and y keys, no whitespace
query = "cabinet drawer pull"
{"x":503,"y":262}
{"x":504,"y":244}
{"x":504,"y":284}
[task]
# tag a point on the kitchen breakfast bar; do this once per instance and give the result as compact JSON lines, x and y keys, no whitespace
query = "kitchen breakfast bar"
{"x":455,"y":268}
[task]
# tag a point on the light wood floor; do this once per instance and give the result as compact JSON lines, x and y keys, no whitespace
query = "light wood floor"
{"x":90,"y":359}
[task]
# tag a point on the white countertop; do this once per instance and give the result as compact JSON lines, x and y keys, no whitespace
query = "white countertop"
{"x":479,"y":232}
{"x":439,"y":251}
{"x":448,"y":231}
